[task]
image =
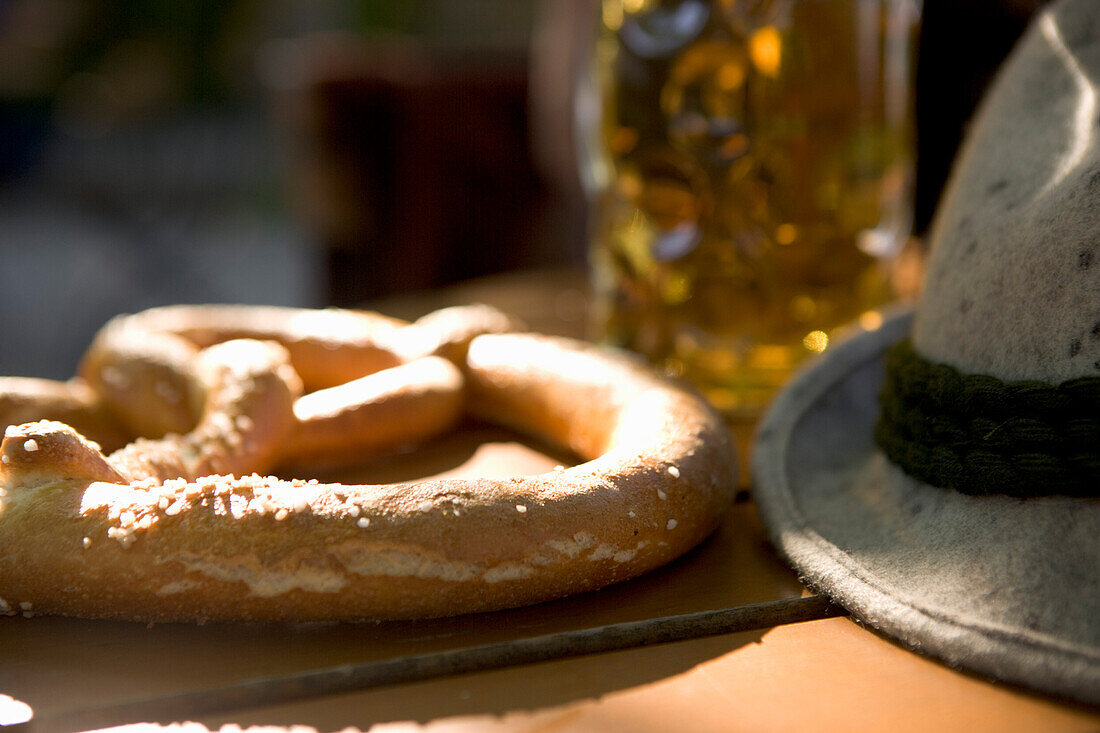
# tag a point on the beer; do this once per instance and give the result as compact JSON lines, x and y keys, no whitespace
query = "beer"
{"x":752,"y":171}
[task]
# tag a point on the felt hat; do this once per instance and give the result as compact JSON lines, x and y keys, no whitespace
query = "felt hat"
{"x":939,"y":476}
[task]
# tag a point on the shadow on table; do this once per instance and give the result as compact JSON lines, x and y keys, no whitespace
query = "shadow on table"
{"x":497,"y":693}
{"x":61,"y":665}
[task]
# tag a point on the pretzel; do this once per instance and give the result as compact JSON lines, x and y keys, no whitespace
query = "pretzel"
{"x":658,"y":473}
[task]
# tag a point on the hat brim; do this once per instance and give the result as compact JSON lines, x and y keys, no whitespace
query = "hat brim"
{"x":1007,"y":588}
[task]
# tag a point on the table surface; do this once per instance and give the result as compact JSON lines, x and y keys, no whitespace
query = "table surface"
{"x":827,"y":672}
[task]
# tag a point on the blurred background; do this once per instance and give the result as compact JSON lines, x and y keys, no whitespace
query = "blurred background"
{"x":321,"y":152}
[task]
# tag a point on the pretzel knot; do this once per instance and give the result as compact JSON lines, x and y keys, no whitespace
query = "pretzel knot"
{"x":180,"y":524}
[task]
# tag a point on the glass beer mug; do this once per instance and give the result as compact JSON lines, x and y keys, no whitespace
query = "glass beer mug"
{"x":750,"y":166}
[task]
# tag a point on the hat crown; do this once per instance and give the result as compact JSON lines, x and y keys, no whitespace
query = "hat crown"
{"x":1013,"y":284}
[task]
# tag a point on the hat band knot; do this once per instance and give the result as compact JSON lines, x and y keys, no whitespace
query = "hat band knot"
{"x":980,"y":435}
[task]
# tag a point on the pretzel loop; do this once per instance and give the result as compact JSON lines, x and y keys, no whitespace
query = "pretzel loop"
{"x":143,"y":534}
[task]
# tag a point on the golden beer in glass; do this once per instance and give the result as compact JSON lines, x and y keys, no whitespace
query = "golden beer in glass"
{"x":751,"y":162}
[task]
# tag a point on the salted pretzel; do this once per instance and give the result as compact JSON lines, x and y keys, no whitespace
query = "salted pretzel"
{"x":657,"y":472}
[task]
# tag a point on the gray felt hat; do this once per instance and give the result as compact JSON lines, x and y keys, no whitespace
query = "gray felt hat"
{"x":966,"y":522}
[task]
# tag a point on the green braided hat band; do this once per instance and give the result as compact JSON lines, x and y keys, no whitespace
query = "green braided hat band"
{"x":980,"y":435}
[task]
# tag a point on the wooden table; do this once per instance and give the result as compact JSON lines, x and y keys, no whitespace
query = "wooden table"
{"x":771,"y":674}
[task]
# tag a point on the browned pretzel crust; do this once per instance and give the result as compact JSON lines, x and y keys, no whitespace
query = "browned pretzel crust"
{"x":142,"y":359}
{"x":375,"y":414}
{"x":142,"y":367}
{"x":250,"y":390}
{"x":26,"y":399}
{"x":141,"y":363}
{"x":658,"y":473}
